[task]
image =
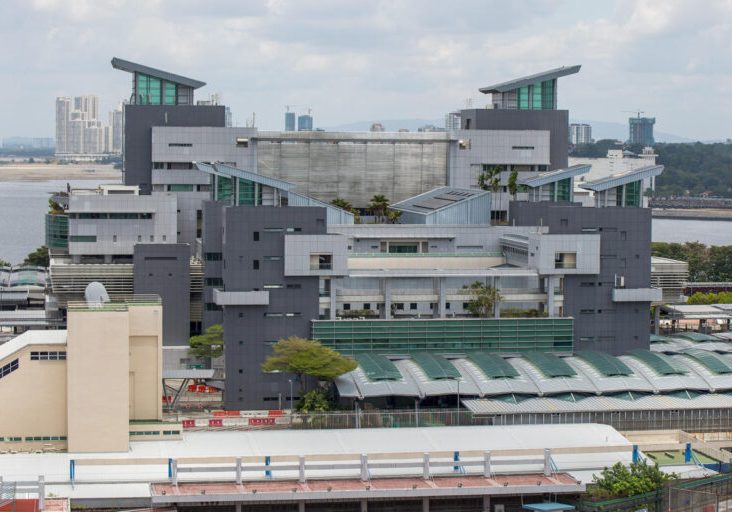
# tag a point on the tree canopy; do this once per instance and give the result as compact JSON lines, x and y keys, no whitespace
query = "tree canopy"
{"x":712,"y":263}
{"x":379,"y":205}
{"x":208,"y":344}
{"x":307,"y":357}
{"x":483,"y":299}
{"x":620,"y":481}
{"x":38,"y":258}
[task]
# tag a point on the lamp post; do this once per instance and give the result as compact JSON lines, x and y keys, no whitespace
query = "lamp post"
{"x":457,"y":379}
{"x":290,"y":381}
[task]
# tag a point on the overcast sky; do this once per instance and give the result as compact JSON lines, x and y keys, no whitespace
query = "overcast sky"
{"x":370,"y":60}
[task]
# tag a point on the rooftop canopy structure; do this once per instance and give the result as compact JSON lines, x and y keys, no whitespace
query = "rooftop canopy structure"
{"x":555,"y":185}
{"x":152,"y":86}
{"x":446,"y":205}
{"x":624,"y":189}
{"x":532,"y":92}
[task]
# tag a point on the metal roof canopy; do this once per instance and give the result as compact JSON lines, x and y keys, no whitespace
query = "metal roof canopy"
{"x":378,"y":367}
{"x":133,"y":67}
{"x":437,"y":199}
{"x":694,"y":312}
{"x":492,"y":365}
{"x":544,"y":178}
{"x":605,"y":363}
{"x":435,"y":367}
{"x":710,"y":360}
{"x":531,"y":79}
{"x":624,"y":178}
{"x":660,"y":363}
{"x":548,"y":507}
{"x":549,"y":364}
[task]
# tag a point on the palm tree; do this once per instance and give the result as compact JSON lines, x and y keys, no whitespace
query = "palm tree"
{"x":393,"y":216}
{"x":490,"y":179}
{"x":379,"y":204}
{"x":342,"y":204}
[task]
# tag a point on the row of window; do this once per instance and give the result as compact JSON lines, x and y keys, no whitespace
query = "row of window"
{"x":181,"y":187}
{"x":93,"y":238}
{"x":283,"y":315}
{"x":598,"y":311}
{"x":112,"y":216}
{"x":401,"y":306}
{"x":17,"y":439}
{"x":8,"y":368}
{"x":48,"y":356}
{"x":154,"y":433}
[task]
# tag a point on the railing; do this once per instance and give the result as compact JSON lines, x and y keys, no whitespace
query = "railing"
{"x":480,"y":254}
{"x":321,"y":266}
{"x":135,"y":300}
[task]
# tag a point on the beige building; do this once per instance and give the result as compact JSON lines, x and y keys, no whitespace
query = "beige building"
{"x":89,"y":388}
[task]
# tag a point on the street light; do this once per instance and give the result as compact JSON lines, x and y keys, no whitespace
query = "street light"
{"x":290,"y":381}
{"x":457,"y":379}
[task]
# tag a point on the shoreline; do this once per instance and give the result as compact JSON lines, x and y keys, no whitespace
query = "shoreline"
{"x":713,"y":214}
{"x":38,"y":172}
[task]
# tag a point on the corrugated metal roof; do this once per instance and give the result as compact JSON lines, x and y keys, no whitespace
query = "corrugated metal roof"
{"x":710,"y":360}
{"x":695,"y":336}
{"x":605,"y":363}
{"x":659,"y":362}
{"x":544,"y":178}
{"x":664,"y":383}
{"x":438,"y":199}
{"x":617,"y":180}
{"x":378,"y":367}
{"x":530,"y":79}
{"x":611,"y":384}
{"x":435,"y":367}
{"x":492,"y":365}
{"x":549,"y":364}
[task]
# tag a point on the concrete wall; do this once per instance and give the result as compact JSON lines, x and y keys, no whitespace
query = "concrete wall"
{"x":554,"y":121}
{"x":164,"y":270}
{"x":99,"y":381}
{"x":249,"y":331}
{"x":139,"y":120}
{"x":625,"y":250}
{"x":34,"y":399}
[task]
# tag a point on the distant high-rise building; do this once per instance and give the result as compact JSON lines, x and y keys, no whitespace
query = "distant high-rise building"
{"x":305,"y":123}
{"x":116,"y":121}
{"x":376,"y":127}
{"x":580,"y":134}
{"x":289,"y":121}
{"x":80,"y":133}
{"x":63,"y":110}
{"x":641,"y":130}
{"x":452,"y":121}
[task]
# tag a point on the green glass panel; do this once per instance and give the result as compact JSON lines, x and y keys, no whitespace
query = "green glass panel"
{"x":492,"y":365}
{"x":536,"y":97}
{"x":153,"y":91}
{"x":549,"y":364}
{"x":169,"y":97}
{"x":142,"y":89}
{"x":435,"y":367}
{"x":660,"y":363}
{"x":522,"y":100}
{"x":224,"y":189}
{"x":563,"y":189}
{"x":633,"y":194}
{"x":181,"y":188}
{"x":247,"y":193}
{"x":710,"y":360}
{"x":57,"y":231}
{"x":605,"y":363}
{"x":547,"y":95}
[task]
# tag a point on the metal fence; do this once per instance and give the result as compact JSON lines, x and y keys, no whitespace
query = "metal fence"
{"x":384,"y":419}
{"x":712,"y":494}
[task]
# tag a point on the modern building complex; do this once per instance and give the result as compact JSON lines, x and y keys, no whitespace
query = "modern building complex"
{"x":305,"y":123}
{"x":641,"y":130}
{"x":251,"y":211}
{"x":289,"y":121}
{"x":89,"y":388}
{"x":80,"y":134}
{"x":580,"y":134}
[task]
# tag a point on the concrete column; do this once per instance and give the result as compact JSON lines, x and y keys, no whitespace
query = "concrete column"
{"x":497,"y":307}
{"x":426,"y":466}
{"x":486,"y":503}
{"x":364,"y":506}
{"x":547,"y":462}
{"x":425,"y":505}
{"x":333,"y":304}
{"x":657,"y":319}
{"x":487,"y":464}
{"x":301,"y":506}
{"x":386,"y":289}
{"x":550,"y":285}
{"x":237,"y":507}
{"x":364,"y":468}
{"x":42,"y":492}
{"x":238,"y":470}
{"x":441,"y":296}
{"x":301,"y":464}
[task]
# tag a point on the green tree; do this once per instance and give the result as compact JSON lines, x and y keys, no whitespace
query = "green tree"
{"x":38,"y":258}
{"x":342,"y":204}
{"x":208,"y":344}
{"x":620,"y":481}
{"x":4,"y":263}
{"x":513,"y":183}
{"x":705,"y":263}
{"x":378,"y":206}
{"x":315,"y":400}
{"x":307,"y":357}
{"x":483,"y":299}
{"x":393,"y":216}
{"x":54,"y":208}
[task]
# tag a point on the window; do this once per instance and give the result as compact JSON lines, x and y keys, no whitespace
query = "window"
{"x":293,"y":315}
{"x":139,"y":238}
{"x":272,"y":286}
{"x":623,"y":235}
{"x":48,"y":356}
{"x":293,"y":230}
{"x":8,"y":368}
{"x":587,"y":284}
{"x":83,"y":238}
{"x":255,"y":264}
{"x":114,"y":238}
{"x":346,"y":307}
{"x":399,"y":306}
{"x":273,"y":315}
{"x":587,"y":338}
{"x":211,"y":306}
{"x":255,"y":236}
{"x":321,"y":261}
{"x":564,"y":222}
{"x":565,"y":260}
{"x":587,"y":311}
{"x":412,"y":305}
{"x":272,"y":258}
{"x":180,"y":145}
{"x":274,"y":230}
{"x":212,"y":256}
{"x":461,"y":143}
{"x":522,"y":147}
{"x":366,"y":305}
{"x":294,"y":286}
{"x":589,"y":230}
{"x":152,"y":238}
{"x":181,"y":188}
{"x":242,"y":142}
{"x":214,"y":281}
{"x":447,"y":305}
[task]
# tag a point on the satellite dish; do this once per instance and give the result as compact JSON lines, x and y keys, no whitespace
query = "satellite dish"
{"x":95,"y":294}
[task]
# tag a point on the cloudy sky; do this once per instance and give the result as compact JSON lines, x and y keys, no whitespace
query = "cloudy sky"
{"x":374,"y":60}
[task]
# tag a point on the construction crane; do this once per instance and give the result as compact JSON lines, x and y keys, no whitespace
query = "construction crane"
{"x":287,"y":107}
{"x":638,"y":112}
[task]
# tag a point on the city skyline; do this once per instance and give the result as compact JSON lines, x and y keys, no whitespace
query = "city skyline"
{"x":352,"y":62}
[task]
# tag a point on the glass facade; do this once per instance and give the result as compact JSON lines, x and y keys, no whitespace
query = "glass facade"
{"x":506,"y":336}
{"x":249,"y":193}
{"x":563,"y":189}
{"x":538,"y":96}
{"x":633,"y":194}
{"x":224,"y":188}
{"x":522,"y":99}
{"x":153,"y":91}
{"x":57,"y":231}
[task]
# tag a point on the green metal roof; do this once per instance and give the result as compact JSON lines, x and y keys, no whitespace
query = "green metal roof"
{"x":378,"y":367}
{"x":655,"y":338}
{"x":660,"y":363}
{"x":512,"y":398}
{"x":709,"y":359}
{"x":493,"y":366}
{"x":695,"y":336}
{"x":684,"y":393}
{"x":628,"y":395}
{"x":608,"y":365}
{"x":436,"y":367}
{"x":549,"y":364}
